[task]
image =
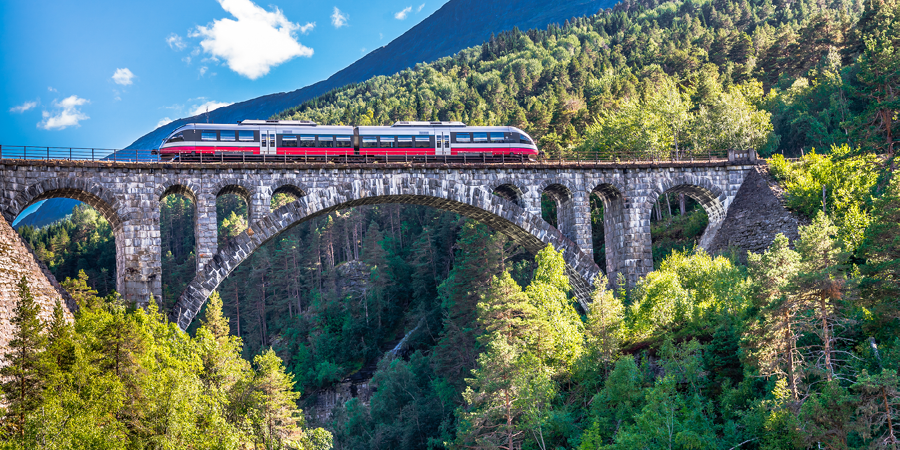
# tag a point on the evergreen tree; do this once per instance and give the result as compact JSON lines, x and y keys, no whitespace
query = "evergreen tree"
{"x":24,"y":372}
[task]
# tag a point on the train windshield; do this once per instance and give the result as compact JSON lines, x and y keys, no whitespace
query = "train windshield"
{"x":523,"y":139}
{"x":176,"y":138}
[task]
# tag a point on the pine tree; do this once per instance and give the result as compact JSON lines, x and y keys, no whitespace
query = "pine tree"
{"x":604,"y":326}
{"x":879,"y":408}
{"x":24,"y":372}
{"x":276,"y":421}
{"x":773,"y":336}
{"x":820,"y":287}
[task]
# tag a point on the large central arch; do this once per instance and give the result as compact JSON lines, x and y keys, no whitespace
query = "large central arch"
{"x":475,"y":202}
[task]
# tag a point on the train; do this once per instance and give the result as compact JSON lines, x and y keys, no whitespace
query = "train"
{"x":306,"y":140}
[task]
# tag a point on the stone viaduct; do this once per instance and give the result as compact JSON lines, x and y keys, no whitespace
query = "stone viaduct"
{"x":506,"y":197}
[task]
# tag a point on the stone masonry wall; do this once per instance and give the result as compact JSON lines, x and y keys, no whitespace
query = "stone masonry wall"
{"x":16,"y":259}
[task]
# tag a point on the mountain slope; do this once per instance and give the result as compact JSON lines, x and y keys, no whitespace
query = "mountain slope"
{"x":457,"y":25}
{"x":50,"y":211}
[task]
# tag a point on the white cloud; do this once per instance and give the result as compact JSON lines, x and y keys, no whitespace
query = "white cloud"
{"x":201,"y":109}
{"x":203,"y":70}
{"x":254,"y":43}
{"x":123,"y":76}
{"x":23,"y":107}
{"x":175,"y":42}
{"x":67,"y":116}
{"x":50,"y":89}
{"x":362,"y":50}
{"x":163,"y":121}
{"x":305,"y":29}
{"x":419,"y":9}
{"x":338,"y":18}
{"x":402,"y":14}
{"x":186,"y":59}
{"x":380,"y":35}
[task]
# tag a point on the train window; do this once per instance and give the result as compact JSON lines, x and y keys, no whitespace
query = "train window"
{"x":497,"y":138}
{"x":245,"y":136}
{"x":343,"y":142}
{"x":226,"y":136}
{"x":387,"y":142}
{"x":177,"y":138}
{"x":479,"y":138}
{"x":463,"y":137}
{"x":369,"y":142}
{"x":423,"y":142}
{"x":326,"y":141}
{"x":208,"y":136}
{"x":525,"y":139}
{"x":307,"y":141}
{"x":288,"y":140}
{"x":404,"y":141}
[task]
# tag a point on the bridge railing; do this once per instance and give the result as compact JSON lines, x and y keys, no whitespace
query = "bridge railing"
{"x":75,"y":154}
{"x":396,"y":156}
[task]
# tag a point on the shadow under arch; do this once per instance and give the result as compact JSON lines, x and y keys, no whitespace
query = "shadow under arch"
{"x":701,"y":189}
{"x":509,"y":190}
{"x":474,"y":202}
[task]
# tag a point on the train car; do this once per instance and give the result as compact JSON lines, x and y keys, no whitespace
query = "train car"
{"x":292,"y":139}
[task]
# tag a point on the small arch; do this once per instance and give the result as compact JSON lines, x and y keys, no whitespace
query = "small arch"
{"x":288,"y":187}
{"x":710,"y":196}
{"x":511,"y":192}
{"x":700,"y":189}
{"x":178,"y":234}
{"x":556,"y":206}
{"x":186,"y":189}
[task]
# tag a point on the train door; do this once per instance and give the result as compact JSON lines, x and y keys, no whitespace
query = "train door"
{"x":441,"y":143}
{"x":267,"y":142}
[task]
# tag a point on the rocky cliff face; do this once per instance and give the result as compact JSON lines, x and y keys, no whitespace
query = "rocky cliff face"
{"x":16,"y":260}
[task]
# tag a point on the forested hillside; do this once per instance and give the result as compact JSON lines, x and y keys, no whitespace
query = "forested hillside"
{"x":661,"y":77}
{"x":797,"y":348}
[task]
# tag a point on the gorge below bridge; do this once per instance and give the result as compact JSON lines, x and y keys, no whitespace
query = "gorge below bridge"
{"x":506,"y":197}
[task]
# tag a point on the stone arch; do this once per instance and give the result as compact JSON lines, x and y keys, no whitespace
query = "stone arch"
{"x":701,"y":189}
{"x":89,"y":192}
{"x":239,"y":187}
{"x":613,"y":199}
{"x":475,"y":202}
{"x":509,"y":190}
{"x":563,"y":195}
{"x":181,"y":187}
{"x":287,"y":186}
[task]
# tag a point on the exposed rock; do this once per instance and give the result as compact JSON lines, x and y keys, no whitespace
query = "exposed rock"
{"x":16,"y":260}
{"x":755,"y":217}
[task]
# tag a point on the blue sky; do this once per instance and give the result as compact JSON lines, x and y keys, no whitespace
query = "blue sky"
{"x":101,"y":74}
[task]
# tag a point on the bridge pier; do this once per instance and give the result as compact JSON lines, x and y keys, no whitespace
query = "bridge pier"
{"x":139,"y":258}
{"x":206,"y":232}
